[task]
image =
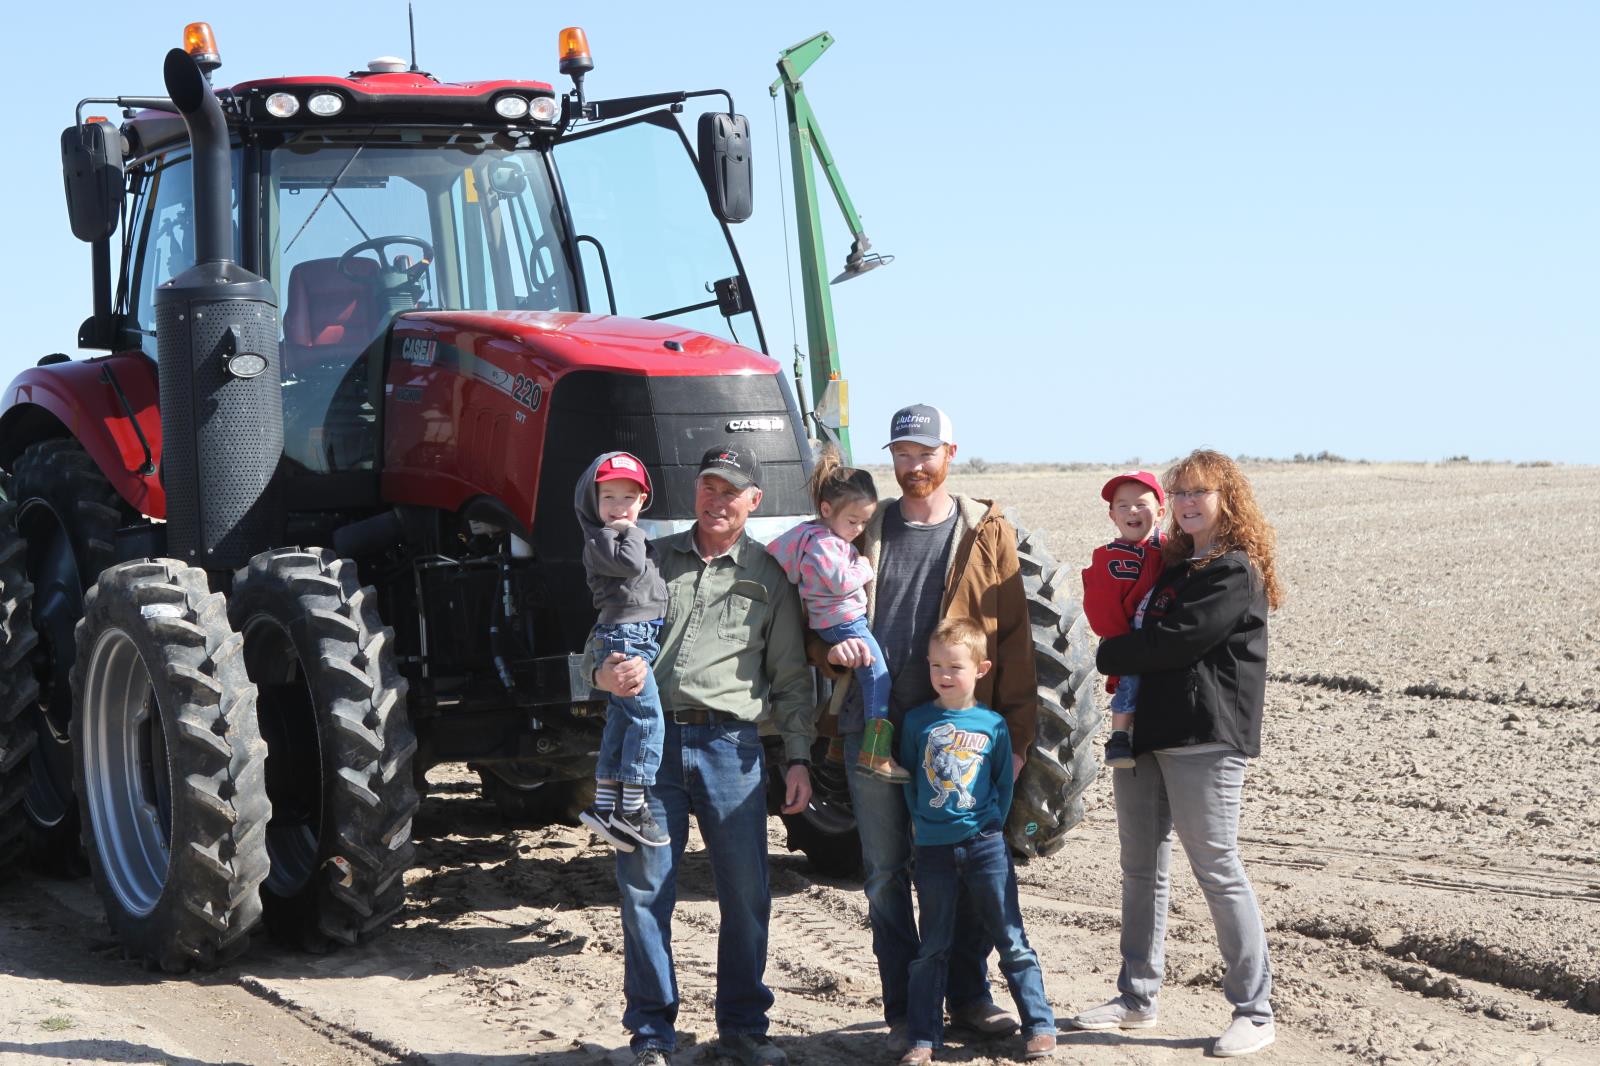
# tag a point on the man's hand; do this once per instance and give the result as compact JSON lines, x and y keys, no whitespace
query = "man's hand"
{"x":620,"y":675}
{"x":797,"y":789}
{"x":1017,"y":762}
{"x":850,"y":652}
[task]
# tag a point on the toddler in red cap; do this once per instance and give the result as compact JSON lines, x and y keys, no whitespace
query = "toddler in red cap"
{"x":1116,"y":582}
{"x":631,"y":599}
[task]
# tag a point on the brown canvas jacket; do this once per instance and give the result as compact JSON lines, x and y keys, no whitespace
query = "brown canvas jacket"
{"x":983,"y":582}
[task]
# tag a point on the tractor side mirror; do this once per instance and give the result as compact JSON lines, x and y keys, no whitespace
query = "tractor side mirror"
{"x":91,"y":165}
{"x":725,"y":164}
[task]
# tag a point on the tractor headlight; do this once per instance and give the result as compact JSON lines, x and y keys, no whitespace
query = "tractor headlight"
{"x":512,"y":107}
{"x":544,"y":109}
{"x":325,"y":104}
{"x":246,"y":365}
{"x":283,"y":105}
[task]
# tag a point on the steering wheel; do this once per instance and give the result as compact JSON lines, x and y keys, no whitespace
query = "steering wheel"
{"x":376,"y":246}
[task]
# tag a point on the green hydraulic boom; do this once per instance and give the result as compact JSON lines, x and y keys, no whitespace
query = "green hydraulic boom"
{"x":828,"y":411}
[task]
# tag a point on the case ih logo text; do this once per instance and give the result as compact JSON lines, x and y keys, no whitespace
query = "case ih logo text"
{"x":755,"y":425}
{"x":418,"y":349}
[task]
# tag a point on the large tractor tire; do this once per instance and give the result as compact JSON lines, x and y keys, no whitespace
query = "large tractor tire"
{"x":170,"y":767}
{"x":19,"y":692}
{"x":332,"y":710}
{"x":826,"y":830}
{"x":69,"y":514}
{"x":530,"y":800}
{"x":1064,"y":758}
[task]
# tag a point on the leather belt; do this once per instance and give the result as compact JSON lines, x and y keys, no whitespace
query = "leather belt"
{"x":699,"y":716}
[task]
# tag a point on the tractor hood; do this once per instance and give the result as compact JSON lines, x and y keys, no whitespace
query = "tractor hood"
{"x":512,"y":406}
{"x":560,"y":341}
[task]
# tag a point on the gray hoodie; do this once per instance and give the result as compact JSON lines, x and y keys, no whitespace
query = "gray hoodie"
{"x":622,"y":570}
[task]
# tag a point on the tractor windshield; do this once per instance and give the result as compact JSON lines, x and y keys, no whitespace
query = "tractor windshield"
{"x":362,"y":225}
{"x":471,"y":220}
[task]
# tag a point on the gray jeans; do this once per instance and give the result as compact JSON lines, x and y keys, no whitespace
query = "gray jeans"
{"x":1198,"y":795}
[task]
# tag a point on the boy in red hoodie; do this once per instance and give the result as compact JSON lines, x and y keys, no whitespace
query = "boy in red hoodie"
{"x":1116,"y":582}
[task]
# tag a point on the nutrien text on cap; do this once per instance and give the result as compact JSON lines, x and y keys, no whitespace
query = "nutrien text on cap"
{"x":1143,"y":477}
{"x":732,"y":462}
{"x":622,"y":465}
{"x":923,"y":424}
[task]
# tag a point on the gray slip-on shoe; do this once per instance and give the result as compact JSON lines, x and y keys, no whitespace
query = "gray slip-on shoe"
{"x":1243,"y":1037}
{"x":1114,"y":1014}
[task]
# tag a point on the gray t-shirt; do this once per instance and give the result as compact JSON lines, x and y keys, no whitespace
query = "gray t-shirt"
{"x":909,"y":589}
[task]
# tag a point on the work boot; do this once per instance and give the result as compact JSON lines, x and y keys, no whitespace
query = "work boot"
{"x":877,"y":758}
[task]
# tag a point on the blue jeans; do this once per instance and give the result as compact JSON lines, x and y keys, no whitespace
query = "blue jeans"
{"x":717,"y":772}
{"x":873,"y":679}
{"x":1126,"y":698}
{"x":884,"y":823}
{"x":630,"y":747}
{"x":980,"y":867}
{"x":1196,"y":798}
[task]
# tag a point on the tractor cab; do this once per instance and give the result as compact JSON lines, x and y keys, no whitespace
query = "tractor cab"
{"x":362,"y":198}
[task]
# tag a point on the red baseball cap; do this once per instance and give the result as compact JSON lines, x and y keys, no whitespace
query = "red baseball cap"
{"x":1143,"y":477}
{"x":622,"y":466}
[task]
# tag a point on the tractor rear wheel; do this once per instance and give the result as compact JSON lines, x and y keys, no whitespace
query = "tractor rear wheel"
{"x":1063,"y":761}
{"x":69,"y":514}
{"x":19,"y":691}
{"x":170,"y":769}
{"x":340,"y":746}
{"x":826,"y":830}
{"x":527,"y":800}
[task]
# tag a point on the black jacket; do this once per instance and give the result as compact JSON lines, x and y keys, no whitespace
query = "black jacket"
{"x":1201,"y":657}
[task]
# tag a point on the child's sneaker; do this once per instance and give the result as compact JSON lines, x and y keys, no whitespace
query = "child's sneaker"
{"x":877,"y":742}
{"x":641,"y":825}
{"x":1119,"y":750}
{"x":599,"y":822}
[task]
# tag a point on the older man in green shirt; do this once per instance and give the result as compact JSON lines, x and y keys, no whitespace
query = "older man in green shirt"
{"x":732,"y":645}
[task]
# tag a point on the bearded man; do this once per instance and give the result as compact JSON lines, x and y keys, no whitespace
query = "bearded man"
{"x":935,"y":554}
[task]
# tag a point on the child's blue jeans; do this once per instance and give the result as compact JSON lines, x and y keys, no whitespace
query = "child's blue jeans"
{"x":978,"y":868}
{"x":1127,"y":695}
{"x":630,"y":747}
{"x":873,"y":679}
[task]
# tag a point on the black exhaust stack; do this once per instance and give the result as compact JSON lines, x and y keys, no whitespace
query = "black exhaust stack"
{"x":217,"y":339}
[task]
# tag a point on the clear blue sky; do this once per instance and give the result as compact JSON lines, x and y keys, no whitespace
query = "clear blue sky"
{"x":1122,"y":229}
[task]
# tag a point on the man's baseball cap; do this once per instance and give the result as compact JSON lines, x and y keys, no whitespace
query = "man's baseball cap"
{"x":1143,"y":477}
{"x":732,"y":462}
{"x":620,"y":466}
{"x":921,"y":423}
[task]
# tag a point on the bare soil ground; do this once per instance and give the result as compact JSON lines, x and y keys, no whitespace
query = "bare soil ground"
{"x":1423,"y":829}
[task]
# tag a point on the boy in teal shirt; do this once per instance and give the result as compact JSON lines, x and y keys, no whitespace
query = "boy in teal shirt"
{"x":959,"y":756}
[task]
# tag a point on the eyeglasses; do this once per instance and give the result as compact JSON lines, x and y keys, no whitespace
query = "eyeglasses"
{"x":1190,"y":494}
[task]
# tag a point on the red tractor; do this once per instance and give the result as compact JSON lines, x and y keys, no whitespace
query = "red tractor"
{"x":377,"y":325}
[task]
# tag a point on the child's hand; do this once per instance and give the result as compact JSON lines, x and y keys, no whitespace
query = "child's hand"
{"x":866,"y":564}
{"x":619,"y":525}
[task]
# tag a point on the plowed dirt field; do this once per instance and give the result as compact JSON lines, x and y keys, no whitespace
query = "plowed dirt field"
{"x":1423,"y":829}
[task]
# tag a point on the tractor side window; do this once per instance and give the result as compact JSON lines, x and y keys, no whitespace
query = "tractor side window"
{"x":165,"y":246}
{"x":634,"y":192}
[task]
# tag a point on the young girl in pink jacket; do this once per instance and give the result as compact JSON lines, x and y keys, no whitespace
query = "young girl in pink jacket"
{"x":832,"y":578}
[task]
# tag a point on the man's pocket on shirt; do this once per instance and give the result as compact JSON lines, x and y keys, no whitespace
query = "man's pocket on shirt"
{"x":744,"y":611}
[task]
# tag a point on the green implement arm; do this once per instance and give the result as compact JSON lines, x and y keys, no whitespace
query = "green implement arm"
{"x":829,"y":407}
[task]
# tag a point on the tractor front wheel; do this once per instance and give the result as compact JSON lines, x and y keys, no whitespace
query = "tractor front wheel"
{"x":333,"y":714}
{"x":169,"y":766}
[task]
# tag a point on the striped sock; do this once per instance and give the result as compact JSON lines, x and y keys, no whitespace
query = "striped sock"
{"x":605,"y":795}
{"x":632,"y":797}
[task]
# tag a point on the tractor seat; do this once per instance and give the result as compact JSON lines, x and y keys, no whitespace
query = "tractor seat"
{"x":329,"y":317}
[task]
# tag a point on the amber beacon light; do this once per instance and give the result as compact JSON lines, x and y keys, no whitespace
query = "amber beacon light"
{"x":201,"y":43}
{"x":575,"y":58}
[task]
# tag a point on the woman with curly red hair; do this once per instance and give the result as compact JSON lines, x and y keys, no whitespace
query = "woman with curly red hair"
{"x":1200,"y":651}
